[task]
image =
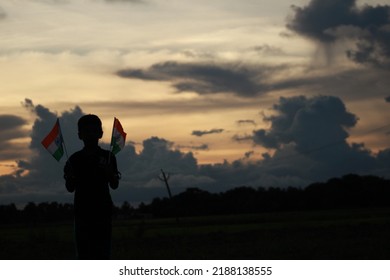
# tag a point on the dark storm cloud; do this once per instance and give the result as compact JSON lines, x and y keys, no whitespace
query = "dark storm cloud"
{"x":314,"y":130}
{"x":373,"y":48}
{"x":42,"y":167}
{"x":353,"y":82}
{"x":12,"y":128}
{"x":38,"y":176}
{"x":159,"y":153}
{"x":306,"y":121}
{"x":201,"y":133}
{"x":318,"y":17}
{"x":331,"y":20}
{"x":140,"y":170}
{"x":45,"y":120}
{"x":204,"y":78}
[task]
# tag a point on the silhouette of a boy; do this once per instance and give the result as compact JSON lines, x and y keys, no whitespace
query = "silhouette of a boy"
{"x":89,"y":173}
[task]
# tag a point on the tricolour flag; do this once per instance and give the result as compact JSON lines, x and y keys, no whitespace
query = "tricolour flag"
{"x":118,"y":137}
{"x":53,"y":142}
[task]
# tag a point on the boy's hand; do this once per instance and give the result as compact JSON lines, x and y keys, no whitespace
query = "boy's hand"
{"x":112,"y":175}
{"x":70,"y":178}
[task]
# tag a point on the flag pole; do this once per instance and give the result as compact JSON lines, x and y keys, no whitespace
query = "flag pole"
{"x":112,"y":134}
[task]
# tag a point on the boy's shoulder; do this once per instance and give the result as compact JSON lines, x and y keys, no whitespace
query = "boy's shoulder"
{"x":76,"y":154}
{"x":104,"y":152}
{"x":99,"y":151}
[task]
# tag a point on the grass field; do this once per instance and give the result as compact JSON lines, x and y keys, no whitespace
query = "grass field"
{"x":336,"y":234}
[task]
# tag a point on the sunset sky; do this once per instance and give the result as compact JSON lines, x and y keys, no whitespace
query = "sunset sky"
{"x":218,"y":93}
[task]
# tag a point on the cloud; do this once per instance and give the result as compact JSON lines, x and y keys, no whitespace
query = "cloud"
{"x":373,"y":48}
{"x":201,"y":133}
{"x":266,"y":49}
{"x":44,"y":174}
{"x":241,"y":138}
{"x":319,"y":19}
{"x":38,"y":176}
{"x":314,"y":130}
{"x":249,"y":154}
{"x":245,"y":122}
{"x":12,"y":128}
{"x":339,"y":81}
{"x":319,"y":16}
{"x":45,"y":120}
{"x":159,"y":153}
{"x":306,"y":121}
{"x":329,"y":21}
{"x":140,"y":171}
{"x":356,"y":84}
{"x":204,"y":78}
{"x":201,"y":147}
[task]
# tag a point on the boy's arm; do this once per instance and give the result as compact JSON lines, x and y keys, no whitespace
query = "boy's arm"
{"x":113,"y":174}
{"x":70,"y":179}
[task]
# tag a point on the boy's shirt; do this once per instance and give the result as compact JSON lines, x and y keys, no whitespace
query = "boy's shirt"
{"x":92,"y":199}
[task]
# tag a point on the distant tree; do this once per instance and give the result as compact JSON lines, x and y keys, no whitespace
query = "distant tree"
{"x":349,"y":191}
{"x":240,"y":200}
{"x":126,"y":210}
{"x":9,"y":213}
{"x":30,"y":212}
{"x":193,"y":201}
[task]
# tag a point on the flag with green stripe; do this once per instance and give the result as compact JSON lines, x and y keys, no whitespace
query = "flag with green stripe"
{"x":118,"y":137}
{"x":54,"y":141}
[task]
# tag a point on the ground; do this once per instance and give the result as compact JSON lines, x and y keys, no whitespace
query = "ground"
{"x":331,"y":234}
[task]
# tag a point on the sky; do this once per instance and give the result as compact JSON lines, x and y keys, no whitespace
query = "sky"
{"x":218,"y":94}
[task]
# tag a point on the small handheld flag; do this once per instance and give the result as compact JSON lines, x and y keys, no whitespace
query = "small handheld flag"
{"x":118,"y":137}
{"x":54,"y":142}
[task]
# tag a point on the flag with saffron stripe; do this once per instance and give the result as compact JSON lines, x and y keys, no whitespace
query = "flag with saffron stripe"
{"x":118,"y":137}
{"x":54,"y":141}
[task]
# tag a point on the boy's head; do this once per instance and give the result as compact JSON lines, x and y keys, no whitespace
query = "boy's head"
{"x":90,"y":128}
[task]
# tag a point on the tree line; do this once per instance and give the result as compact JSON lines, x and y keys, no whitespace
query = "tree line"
{"x":350,"y":191}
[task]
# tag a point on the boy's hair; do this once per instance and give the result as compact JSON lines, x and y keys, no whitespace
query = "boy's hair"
{"x":89,"y":120}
